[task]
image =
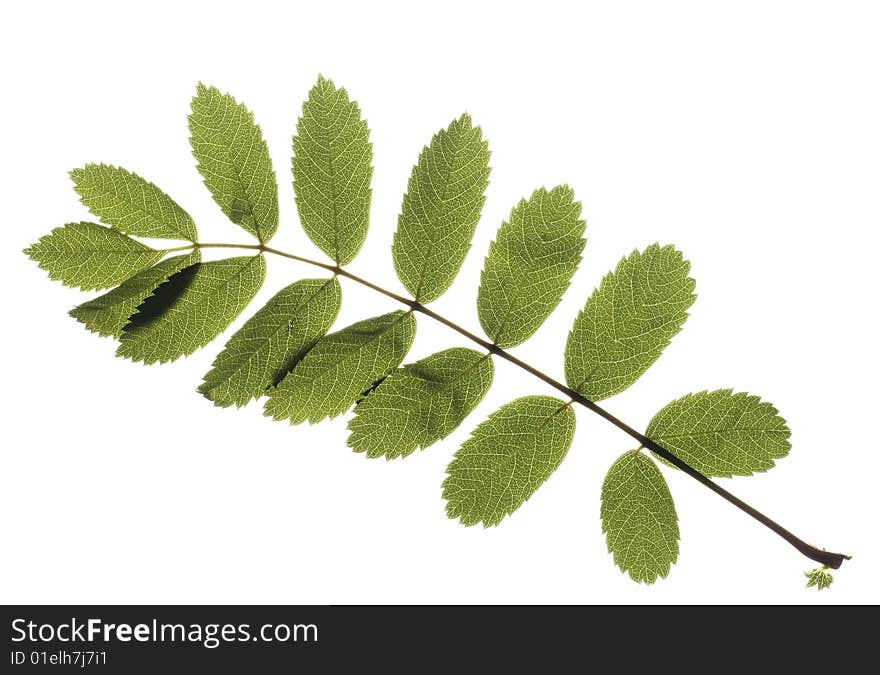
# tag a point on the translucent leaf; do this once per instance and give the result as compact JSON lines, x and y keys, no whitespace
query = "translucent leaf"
{"x":91,"y":256}
{"x":507,"y":458}
{"x":192,"y":308}
{"x":530,"y":265}
{"x":340,"y":367}
{"x":440,"y":209}
{"x":131,"y":204}
{"x":421,"y":403}
{"x":234,"y":161}
{"x":819,"y":578}
{"x":264,"y":349}
{"x":628,"y":321}
{"x":638,"y":518}
{"x":720,"y":433}
{"x":108,"y":314}
{"x":332,"y":168}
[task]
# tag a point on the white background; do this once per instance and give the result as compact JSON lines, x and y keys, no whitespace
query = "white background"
{"x":748,"y":134}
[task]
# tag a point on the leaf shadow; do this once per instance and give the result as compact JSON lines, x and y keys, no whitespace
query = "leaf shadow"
{"x":369,"y":390}
{"x":162,"y":298}
{"x":292,"y":363}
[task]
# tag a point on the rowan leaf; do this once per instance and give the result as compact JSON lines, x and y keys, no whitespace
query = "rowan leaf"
{"x":628,"y":321}
{"x":340,"y":367}
{"x":131,"y":204}
{"x":507,"y":458}
{"x":530,"y":265}
{"x":332,"y":169}
{"x":820,"y":578}
{"x":161,"y":309}
{"x":420,"y":403}
{"x":272,"y":341}
{"x":441,"y":208}
{"x":109,"y":313}
{"x":639,"y":518}
{"x":721,"y":433}
{"x":90,"y":256}
{"x":234,"y":161}
{"x":190,"y":309}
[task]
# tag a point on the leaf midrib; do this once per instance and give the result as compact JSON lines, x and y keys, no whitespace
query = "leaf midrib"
{"x":433,"y":229}
{"x":695,"y":434}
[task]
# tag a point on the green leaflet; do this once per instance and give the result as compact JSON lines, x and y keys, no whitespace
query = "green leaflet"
{"x":638,"y":518}
{"x":507,"y":458}
{"x":332,"y":169}
{"x":234,"y":161}
{"x":340,"y":367}
{"x":440,"y":209}
{"x":530,"y":265}
{"x":131,"y":204}
{"x":272,"y":341}
{"x":820,"y":578}
{"x":421,"y":403}
{"x":91,"y":256}
{"x":192,"y":308}
{"x":628,"y":321}
{"x":108,"y":314}
{"x":720,"y":433}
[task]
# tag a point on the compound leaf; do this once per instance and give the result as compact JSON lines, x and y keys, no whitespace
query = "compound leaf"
{"x":267,"y":346}
{"x":234,"y":161}
{"x":192,"y":308}
{"x":720,"y":433}
{"x":530,"y":265}
{"x":440,"y":209}
{"x":109,"y":313}
{"x":90,"y":256}
{"x":638,"y":518}
{"x":131,"y":204}
{"x":340,"y":367}
{"x":420,"y":403}
{"x":507,"y":458}
{"x":332,"y":169}
{"x":628,"y":321}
